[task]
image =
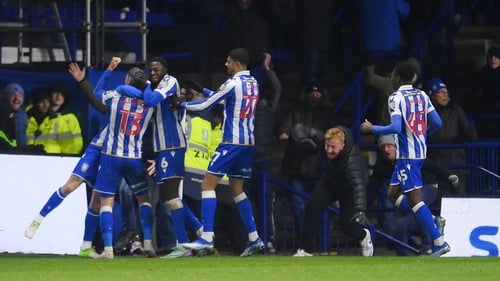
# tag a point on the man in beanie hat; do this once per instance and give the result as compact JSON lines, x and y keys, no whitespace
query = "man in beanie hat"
{"x":13,"y":118}
{"x":456,"y":129}
{"x":435,"y":85}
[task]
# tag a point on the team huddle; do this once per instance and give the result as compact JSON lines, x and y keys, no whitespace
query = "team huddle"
{"x":117,"y":151}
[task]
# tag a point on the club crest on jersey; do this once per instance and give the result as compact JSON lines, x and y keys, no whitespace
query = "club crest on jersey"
{"x":85,"y":167}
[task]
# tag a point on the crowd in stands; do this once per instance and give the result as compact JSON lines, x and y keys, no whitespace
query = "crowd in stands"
{"x":387,"y":33}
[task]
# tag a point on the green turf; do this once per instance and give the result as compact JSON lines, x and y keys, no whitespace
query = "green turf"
{"x":257,"y":268}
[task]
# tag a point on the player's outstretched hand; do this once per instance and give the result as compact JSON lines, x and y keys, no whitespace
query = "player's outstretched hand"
{"x":366,"y":126}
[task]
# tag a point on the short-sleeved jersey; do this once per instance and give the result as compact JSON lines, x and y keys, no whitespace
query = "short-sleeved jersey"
{"x":240,"y":95}
{"x":167,"y":129}
{"x":412,"y":105}
{"x":98,"y":139}
{"x":128,"y":119}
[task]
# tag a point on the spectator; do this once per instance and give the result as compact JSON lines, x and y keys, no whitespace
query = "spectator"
{"x":13,"y":118}
{"x":315,"y":25}
{"x":486,"y":93}
{"x":248,"y":27}
{"x":283,"y":25}
{"x":343,"y":181}
{"x":378,"y":25}
{"x":303,"y":128}
{"x":70,"y":126}
{"x":270,"y":91}
{"x":423,"y":13}
{"x":456,"y":129}
{"x":43,"y":124}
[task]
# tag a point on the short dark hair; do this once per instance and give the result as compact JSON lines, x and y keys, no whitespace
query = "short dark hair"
{"x":137,"y":78}
{"x":241,"y":55}
{"x":160,"y":60}
{"x":405,"y":70}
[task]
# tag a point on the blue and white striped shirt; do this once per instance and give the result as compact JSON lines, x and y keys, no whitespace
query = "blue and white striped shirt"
{"x":240,"y":95}
{"x":168,"y":132}
{"x":127,"y":121}
{"x":413,"y":105}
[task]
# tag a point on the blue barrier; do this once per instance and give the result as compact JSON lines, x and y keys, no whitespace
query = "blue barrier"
{"x":324,"y":238}
{"x":482,"y":163}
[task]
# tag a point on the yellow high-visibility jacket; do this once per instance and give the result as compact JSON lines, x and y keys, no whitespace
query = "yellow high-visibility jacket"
{"x":58,"y":133}
{"x":47,"y":133}
{"x":199,"y":132}
{"x":71,"y":134}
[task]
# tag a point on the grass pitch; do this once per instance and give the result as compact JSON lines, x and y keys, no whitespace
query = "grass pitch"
{"x":15,"y":267}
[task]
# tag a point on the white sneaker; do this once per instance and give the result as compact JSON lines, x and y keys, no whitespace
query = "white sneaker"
{"x":440,"y":223}
{"x":106,"y":254}
{"x":270,"y":247}
{"x":367,"y":245}
{"x":149,"y":250}
{"x":301,"y":253}
{"x":30,"y":231}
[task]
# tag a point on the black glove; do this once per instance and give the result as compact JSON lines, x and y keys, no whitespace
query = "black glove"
{"x":194,"y":85}
{"x":360,"y":217}
{"x":317,"y":135}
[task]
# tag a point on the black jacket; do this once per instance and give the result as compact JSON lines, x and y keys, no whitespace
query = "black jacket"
{"x":303,"y":160}
{"x":348,"y":172}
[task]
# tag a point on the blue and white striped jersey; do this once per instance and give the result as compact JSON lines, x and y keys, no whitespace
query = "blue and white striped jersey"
{"x":128,"y":119}
{"x":98,"y":140}
{"x":413,"y":105}
{"x":240,"y":95}
{"x":168,"y":132}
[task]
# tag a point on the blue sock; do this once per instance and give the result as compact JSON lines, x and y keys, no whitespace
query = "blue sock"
{"x":246,"y":214}
{"x":146,"y":213}
{"x":91,"y":222}
{"x":106,"y":220}
{"x":54,"y":200}
{"x":191,"y":220}
{"x":424,"y":217}
{"x":179,"y":222}
{"x":208,"y":205}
